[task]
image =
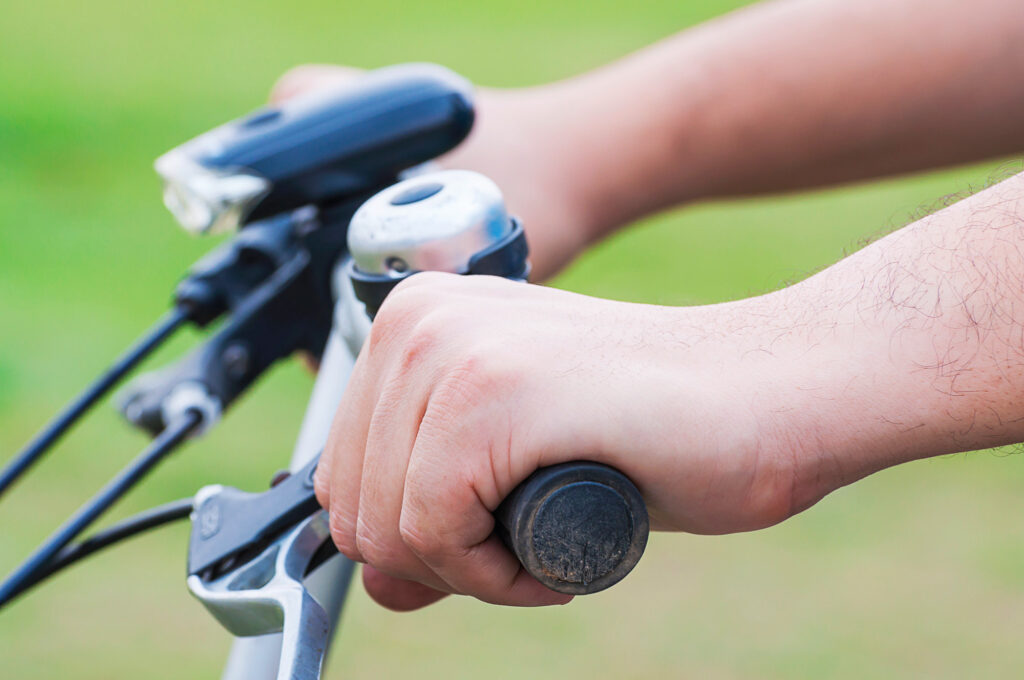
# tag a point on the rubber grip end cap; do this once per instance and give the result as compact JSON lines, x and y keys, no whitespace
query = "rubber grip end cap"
{"x":578,"y":528}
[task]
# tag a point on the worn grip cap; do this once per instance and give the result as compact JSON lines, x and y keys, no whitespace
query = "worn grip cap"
{"x":578,"y":527}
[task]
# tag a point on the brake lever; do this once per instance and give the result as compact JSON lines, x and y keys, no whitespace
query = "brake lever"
{"x":248,"y":556}
{"x":266,"y":595}
{"x":577,"y":528}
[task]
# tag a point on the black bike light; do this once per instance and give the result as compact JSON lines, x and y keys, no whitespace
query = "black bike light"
{"x":316,"y":149}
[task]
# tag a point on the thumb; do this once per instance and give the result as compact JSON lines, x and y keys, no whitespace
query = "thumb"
{"x":309,"y":77}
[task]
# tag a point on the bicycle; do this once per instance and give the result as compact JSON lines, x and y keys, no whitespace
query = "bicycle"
{"x":333,"y":207}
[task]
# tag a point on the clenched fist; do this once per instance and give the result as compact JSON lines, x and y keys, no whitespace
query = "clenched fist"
{"x":466,"y":385}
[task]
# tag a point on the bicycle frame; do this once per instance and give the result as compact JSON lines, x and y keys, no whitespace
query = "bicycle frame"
{"x":257,"y":658}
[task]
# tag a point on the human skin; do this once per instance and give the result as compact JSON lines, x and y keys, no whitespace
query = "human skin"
{"x":730,"y":417}
{"x":775,"y":97}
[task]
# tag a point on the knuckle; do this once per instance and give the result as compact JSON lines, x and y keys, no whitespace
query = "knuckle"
{"x":403,"y":297}
{"x":388,"y":327}
{"x":413,"y":291}
{"x":479,"y":372}
{"x":342,"y":536}
{"x":444,"y":319}
{"x":401,"y":310}
{"x":411,"y":343}
{"x":427,"y":541}
{"x":415,"y":325}
{"x":415,"y":536}
{"x":373,"y":549}
{"x":425,"y":279}
{"x":423,"y":339}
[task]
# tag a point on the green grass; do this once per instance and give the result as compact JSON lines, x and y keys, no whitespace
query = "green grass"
{"x":918,"y":571}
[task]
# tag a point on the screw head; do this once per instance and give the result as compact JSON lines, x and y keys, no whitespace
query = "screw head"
{"x":236,"y":360}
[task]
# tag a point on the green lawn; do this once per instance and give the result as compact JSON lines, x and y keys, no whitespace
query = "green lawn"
{"x":917,"y":572}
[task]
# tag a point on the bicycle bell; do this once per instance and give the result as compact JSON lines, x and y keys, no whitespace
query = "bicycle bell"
{"x":451,"y":221}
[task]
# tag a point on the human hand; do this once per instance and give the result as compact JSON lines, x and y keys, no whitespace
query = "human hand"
{"x":727,"y":417}
{"x":518,"y":143}
{"x":468,"y":384}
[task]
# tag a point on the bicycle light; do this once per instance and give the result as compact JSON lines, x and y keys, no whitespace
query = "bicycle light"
{"x":317,"y":149}
{"x":204,"y":199}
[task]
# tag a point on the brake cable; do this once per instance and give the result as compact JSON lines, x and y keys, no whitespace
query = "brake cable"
{"x":31,"y":569}
{"x":115,"y":533}
{"x":56,"y":428}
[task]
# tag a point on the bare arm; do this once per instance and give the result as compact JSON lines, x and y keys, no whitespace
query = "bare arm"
{"x":912,"y":347}
{"x":729,"y":417}
{"x":799,"y":93}
{"x":782,"y":95}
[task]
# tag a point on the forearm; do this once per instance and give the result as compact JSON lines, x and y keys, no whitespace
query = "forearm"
{"x":912,"y":347}
{"x":791,"y":94}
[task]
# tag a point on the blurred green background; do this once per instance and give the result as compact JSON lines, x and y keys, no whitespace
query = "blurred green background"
{"x":916,"y":572}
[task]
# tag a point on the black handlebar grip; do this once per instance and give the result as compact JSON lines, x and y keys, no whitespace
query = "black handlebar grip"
{"x":578,"y":527}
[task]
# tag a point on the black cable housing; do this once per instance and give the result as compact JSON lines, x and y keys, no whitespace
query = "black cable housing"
{"x":56,"y":428}
{"x":115,"y":533}
{"x":163,"y":445}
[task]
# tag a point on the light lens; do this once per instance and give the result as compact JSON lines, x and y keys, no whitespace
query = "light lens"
{"x":204,"y":200}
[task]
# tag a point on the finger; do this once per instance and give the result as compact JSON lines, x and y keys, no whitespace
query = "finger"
{"x":486,"y":569}
{"x":338,"y":474}
{"x":341,"y":468}
{"x":445,"y":523}
{"x":309,"y":77}
{"x":398,"y":594}
{"x":393,"y":427}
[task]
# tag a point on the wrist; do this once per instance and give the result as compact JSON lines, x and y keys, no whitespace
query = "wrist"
{"x":628,"y":142}
{"x":815,"y":391}
{"x":691,"y":416}
{"x":793,"y":411}
{"x":841,"y":394}
{"x":518,"y":141}
{"x":586,"y":155}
